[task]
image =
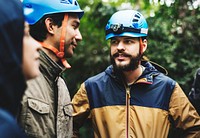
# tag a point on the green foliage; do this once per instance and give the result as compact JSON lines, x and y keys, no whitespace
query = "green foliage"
{"x":174,"y":41}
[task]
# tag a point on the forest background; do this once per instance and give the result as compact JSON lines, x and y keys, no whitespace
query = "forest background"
{"x":173,"y":40}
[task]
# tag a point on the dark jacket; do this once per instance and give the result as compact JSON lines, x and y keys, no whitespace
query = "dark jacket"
{"x":9,"y":127}
{"x":12,"y":82}
{"x":194,"y":94}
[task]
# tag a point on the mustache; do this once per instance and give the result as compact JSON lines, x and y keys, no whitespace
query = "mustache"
{"x":74,"y":42}
{"x":121,"y":53}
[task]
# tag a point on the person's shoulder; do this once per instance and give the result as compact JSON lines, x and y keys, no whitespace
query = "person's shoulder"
{"x":37,"y":80}
{"x":163,"y":74}
{"x":37,"y":84}
{"x":100,"y":76}
{"x":9,"y":127}
{"x":96,"y":77}
{"x":159,"y":67}
{"x":166,"y":78}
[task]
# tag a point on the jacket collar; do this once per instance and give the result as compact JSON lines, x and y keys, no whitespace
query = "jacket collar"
{"x":50,"y":68}
{"x":152,"y":69}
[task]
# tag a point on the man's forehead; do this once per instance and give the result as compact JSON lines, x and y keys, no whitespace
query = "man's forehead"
{"x":74,"y":18}
{"x":73,"y":14}
{"x":125,"y":37}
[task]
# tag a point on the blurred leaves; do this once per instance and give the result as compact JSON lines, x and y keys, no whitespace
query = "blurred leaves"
{"x":176,"y":31}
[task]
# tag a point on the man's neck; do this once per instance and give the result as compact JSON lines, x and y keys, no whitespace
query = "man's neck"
{"x":132,"y":76}
{"x":51,"y":54}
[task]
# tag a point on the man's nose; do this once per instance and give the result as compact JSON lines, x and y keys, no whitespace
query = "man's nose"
{"x":78,"y":35}
{"x":120,"y":46}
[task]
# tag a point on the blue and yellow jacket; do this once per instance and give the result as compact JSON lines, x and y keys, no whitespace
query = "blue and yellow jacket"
{"x":141,"y":110}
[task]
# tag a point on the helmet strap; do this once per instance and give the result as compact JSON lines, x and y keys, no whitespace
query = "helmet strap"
{"x":60,"y":54}
{"x":62,"y":40}
{"x":141,"y":47}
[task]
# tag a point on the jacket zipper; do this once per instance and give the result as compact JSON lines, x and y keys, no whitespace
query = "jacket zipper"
{"x":128,"y":97}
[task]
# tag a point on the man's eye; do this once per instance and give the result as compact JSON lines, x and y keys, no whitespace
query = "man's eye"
{"x":128,"y":41}
{"x":113,"y":42}
{"x":74,"y":26}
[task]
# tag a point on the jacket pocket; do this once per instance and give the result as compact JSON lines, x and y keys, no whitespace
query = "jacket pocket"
{"x":38,"y":106}
{"x":67,"y":109}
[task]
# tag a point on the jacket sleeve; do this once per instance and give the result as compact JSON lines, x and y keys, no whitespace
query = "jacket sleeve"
{"x":194,"y":94}
{"x":184,"y":114}
{"x":81,"y":108}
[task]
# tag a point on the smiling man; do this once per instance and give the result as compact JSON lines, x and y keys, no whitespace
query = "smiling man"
{"x":46,"y":111}
{"x":132,"y":98}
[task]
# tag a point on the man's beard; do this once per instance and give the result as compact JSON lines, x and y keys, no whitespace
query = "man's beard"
{"x":134,"y":62}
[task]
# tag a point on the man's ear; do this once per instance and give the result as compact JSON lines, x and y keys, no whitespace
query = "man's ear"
{"x":144,"y":44}
{"x":49,"y":25}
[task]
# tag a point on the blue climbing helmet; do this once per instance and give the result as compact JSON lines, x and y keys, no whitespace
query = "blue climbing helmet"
{"x":126,"y":23}
{"x":34,"y":10}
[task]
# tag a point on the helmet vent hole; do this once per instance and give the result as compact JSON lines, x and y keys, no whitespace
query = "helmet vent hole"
{"x":137,"y":15}
{"x":135,"y":20}
{"x":66,"y":1}
{"x":28,"y":5}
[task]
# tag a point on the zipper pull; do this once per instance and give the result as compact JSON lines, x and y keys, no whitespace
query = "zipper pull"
{"x":128,"y":93}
